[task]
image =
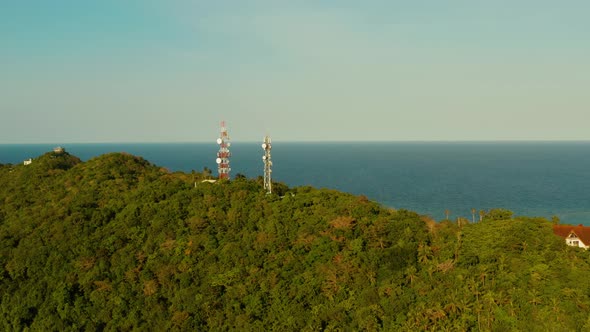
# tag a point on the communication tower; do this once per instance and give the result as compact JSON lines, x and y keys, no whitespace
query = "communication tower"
{"x":266,"y":146}
{"x":223,"y":154}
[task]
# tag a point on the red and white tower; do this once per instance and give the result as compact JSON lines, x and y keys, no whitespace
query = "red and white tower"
{"x":266,"y":146}
{"x":223,"y":154}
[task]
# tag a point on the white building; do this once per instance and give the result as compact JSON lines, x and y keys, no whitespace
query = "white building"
{"x":575,"y":236}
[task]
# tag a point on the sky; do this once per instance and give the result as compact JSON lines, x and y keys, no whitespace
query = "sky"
{"x":170,"y":71}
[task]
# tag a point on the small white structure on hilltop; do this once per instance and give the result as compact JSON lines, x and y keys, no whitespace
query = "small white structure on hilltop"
{"x":28,"y":162}
{"x":59,"y":149}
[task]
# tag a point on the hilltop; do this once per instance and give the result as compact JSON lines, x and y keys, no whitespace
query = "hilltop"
{"x":117,"y":242}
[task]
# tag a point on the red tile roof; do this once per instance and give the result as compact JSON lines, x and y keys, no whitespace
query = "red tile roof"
{"x":581,"y":231}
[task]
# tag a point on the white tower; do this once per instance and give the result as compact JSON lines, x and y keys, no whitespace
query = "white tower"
{"x":266,"y":146}
{"x":223,"y":154}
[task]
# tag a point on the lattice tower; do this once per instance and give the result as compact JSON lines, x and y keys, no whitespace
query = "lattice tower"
{"x":266,"y":158}
{"x":223,"y":154}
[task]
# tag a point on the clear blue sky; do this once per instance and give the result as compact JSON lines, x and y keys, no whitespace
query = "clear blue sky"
{"x":145,"y":71}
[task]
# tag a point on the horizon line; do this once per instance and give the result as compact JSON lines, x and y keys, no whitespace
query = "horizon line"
{"x":316,"y":141}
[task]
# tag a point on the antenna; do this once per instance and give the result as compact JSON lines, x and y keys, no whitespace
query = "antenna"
{"x":266,"y":146}
{"x":223,"y":154}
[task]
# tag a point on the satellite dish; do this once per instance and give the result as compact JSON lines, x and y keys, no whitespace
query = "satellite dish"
{"x":264,"y":145}
{"x":219,"y":141}
{"x":228,"y":144}
{"x":218,"y":160}
{"x":263,"y":157}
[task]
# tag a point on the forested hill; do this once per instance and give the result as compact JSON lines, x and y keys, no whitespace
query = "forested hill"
{"x":117,"y":243}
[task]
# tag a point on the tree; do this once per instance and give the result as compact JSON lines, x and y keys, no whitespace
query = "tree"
{"x":499,"y":214}
{"x":462,"y":221}
{"x":473,"y":214}
{"x":447,"y":213}
{"x":207,"y":172}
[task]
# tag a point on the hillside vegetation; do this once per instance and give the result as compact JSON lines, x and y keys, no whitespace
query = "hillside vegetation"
{"x":117,"y":243}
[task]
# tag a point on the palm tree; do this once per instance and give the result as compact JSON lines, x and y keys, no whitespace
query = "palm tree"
{"x":490,"y":305}
{"x":447,"y":212}
{"x":481,"y":214}
{"x":473,"y":214}
{"x":535,"y":297}
{"x":411,"y":274}
{"x":452,"y":305}
{"x":423,"y":253}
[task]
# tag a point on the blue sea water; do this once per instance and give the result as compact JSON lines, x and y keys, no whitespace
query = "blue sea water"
{"x":529,"y":178}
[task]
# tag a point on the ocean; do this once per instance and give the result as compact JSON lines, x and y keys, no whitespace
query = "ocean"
{"x":530,"y":178}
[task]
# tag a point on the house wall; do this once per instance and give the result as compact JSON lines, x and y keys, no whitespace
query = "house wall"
{"x":571,"y":241}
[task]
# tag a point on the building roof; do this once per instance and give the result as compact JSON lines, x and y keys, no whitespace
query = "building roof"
{"x":581,"y":231}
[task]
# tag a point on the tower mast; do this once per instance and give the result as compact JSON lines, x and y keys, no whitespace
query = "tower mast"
{"x":266,"y":146}
{"x":223,"y":154}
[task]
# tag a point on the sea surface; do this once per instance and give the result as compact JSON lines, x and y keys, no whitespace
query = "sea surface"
{"x":529,"y":178}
